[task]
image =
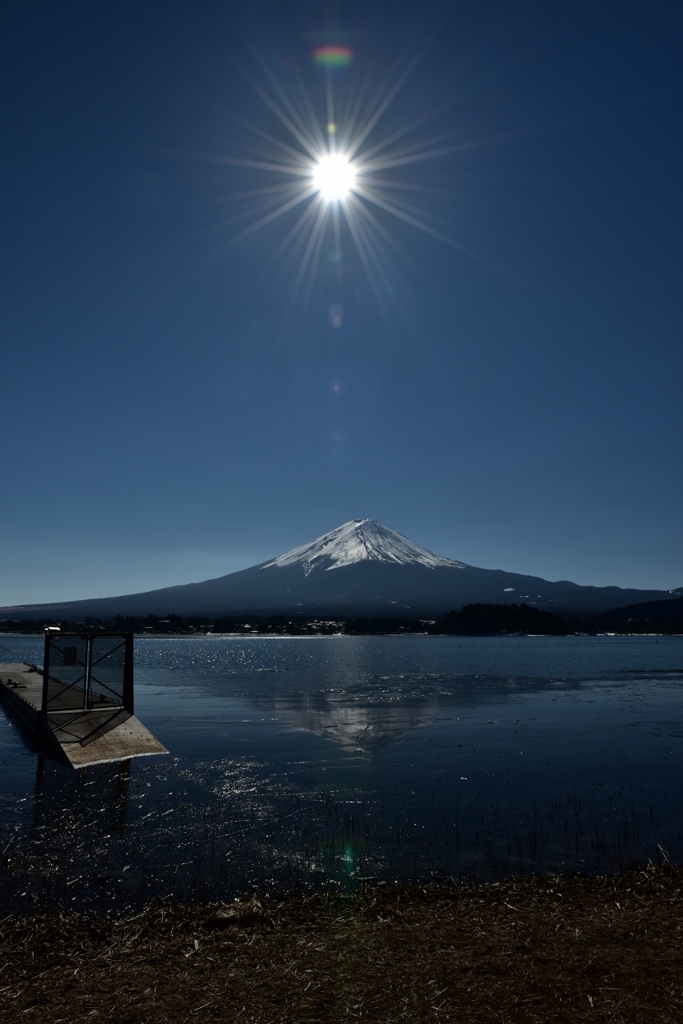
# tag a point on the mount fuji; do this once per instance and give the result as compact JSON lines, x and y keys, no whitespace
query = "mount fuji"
{"x":360,"y":569}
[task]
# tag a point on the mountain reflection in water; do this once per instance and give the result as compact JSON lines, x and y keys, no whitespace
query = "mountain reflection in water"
{"x":300,"y":764}
{"x":359,"y":727}
{"x":380,"y":711}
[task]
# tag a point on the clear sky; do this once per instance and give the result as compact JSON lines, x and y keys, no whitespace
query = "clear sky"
{"x":485,"y":355}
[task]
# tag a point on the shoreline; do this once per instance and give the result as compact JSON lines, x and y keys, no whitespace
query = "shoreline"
{"x":313,"y":636}
{"x":541,"y":949}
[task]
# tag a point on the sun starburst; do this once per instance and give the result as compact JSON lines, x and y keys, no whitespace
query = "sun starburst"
{"x":333,"y":173}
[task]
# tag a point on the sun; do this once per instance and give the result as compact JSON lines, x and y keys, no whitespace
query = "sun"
{"x":334,"y":177}
{"x":325,"y":165}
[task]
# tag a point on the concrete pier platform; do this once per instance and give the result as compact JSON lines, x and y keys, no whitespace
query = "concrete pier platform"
{"x":105,"y":732}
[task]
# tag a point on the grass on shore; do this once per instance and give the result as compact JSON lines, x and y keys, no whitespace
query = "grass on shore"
{"x":555,"y":948}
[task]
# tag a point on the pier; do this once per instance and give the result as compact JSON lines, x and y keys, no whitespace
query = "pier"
{"x":80,"y":704}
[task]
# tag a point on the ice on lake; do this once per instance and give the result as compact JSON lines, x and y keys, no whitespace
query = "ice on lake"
{"x":307,"y":763}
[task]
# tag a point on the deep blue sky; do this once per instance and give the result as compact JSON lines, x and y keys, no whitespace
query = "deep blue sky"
{"x":173,"y":409}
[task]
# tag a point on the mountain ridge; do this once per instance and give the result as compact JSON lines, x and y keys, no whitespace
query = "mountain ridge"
{"x":376,"y":571}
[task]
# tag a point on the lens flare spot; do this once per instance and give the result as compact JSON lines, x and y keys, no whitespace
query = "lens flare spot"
{"x":331,"y":128}
{"x":336,"y":313}
{"x":333,"y":56}
{"x":334,"y":177}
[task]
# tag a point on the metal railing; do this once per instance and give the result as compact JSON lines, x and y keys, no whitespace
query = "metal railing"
{"x":87,"y":671}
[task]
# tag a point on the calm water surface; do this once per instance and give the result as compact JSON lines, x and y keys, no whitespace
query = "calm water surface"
{"x":301,"y":763}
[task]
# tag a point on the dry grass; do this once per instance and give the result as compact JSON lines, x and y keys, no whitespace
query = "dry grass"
{"x":546,"y":949}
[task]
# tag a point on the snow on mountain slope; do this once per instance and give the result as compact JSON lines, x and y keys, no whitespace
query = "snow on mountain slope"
{"x":360,"y":540}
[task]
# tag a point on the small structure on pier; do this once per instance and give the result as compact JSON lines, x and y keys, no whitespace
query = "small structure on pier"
{"x":80,"y":704}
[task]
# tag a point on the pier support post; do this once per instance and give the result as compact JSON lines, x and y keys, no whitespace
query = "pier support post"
{"x":128,"y":675}
{"x":46,"y":674}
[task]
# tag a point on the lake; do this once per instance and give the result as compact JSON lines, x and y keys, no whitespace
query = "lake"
{"x":311,"y":763}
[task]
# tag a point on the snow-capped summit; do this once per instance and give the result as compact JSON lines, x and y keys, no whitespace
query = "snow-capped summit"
{"x":360,"y":540}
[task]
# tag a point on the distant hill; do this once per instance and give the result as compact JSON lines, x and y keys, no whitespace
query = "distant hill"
{"x":654,"y":616}
{"x":360,"y":569}
{"x":657,"y":611}
{"x":500,"y":620}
